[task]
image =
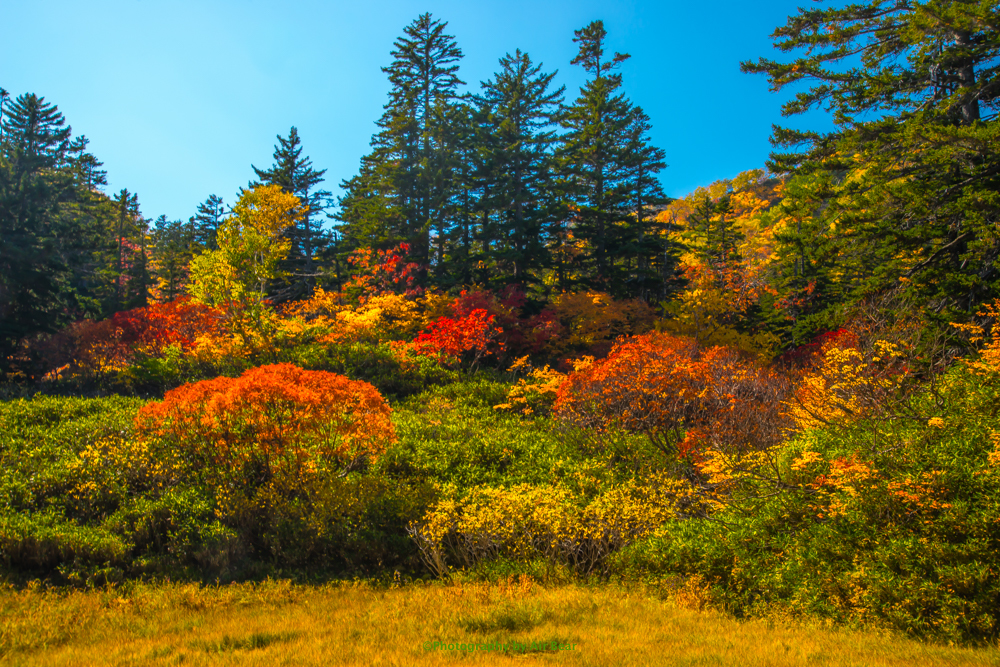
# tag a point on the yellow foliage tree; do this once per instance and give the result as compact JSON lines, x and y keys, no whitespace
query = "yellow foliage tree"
{"x":848,"y":384}
{"x":723,"y":284}
{"x":235,"y":277}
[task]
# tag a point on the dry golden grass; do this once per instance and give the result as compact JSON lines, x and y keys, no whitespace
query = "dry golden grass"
{"x":276,"y":623}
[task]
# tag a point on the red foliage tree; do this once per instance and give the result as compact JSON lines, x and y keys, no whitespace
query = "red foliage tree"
{"x":381,"y":272}
{"x":149,"y":330}
{"x":454,"y":337}
{"x":518,"y":335}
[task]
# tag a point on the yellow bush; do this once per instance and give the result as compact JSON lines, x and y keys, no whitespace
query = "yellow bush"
{"x":526,"y":522}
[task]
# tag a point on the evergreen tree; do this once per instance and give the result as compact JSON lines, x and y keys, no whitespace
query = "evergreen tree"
{"x":54,"y":222}
{"x":519,"y":110}
{"x":646,"y":237}
{"x":296,"y":175}
{"x":408,"y":173}
{"x":172,"y":243}
{"x":130,"y":272}
{"x":205,"y":224}
{"x":603,"y":149}
{"x":4,"y":96}
{"x":912,"y":160}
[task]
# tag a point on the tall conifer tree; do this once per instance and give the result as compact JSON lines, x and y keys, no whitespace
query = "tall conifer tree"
{"x":603,"y":150}
{"x":408,"y":170}
{"x":43,"y":223}
{"x":205,"y":223}
{"x":519,"y":109}
{"x":296,"y":175}
{"x":911,"y":166}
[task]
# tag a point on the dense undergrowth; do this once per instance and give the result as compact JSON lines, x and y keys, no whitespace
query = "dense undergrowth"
{"x":352,"y":439}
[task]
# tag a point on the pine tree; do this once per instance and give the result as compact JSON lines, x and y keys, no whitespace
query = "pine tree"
{"x":408,"y":171}
{"x":205,"y":224}
{"x":296,"y":175}
{"x":603,"y":149}
{"x":50,"y":219}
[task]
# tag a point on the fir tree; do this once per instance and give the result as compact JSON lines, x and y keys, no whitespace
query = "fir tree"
{"x":49,"y":223}
{"x":408,"y":171}
{"x":296,"y":175}
{"x":519,"y":109}
{"x":646,"y":237}
{"x":205,"y":224}
{"x":603,"y":149}
{"x":912,"y":162}
{"x":172,"y":243}
{"x":130,"y":278}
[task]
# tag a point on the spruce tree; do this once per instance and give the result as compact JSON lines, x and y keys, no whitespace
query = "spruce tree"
{"x":205,"y":223}
{"x":4,"y":96}
{"x":408,"y":171}
{"x":649,"y":274}
{"x":49,"y":223}
{"x":130,"y":272}
{"x":914,"y":90}
{"x":172,"y":245}
{"x":599,"y":163}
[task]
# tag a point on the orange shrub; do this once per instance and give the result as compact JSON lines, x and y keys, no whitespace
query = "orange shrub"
{"x":684,"y":398}
{"x":273,"y":419}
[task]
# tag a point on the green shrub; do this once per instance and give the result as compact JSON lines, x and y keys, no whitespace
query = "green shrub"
{"x":375,"y":363}
{"x":45,"y":541}
{"x":453,"y":435}
{"x":892,"y":521}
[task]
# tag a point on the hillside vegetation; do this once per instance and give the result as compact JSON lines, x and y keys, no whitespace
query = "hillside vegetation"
{"x":775,"y":398}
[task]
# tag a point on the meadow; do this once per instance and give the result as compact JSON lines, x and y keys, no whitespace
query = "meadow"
{"x":357,"y":623}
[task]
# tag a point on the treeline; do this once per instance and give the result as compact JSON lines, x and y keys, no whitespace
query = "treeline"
{"x":506,"y":186}
{"x":890,"y":216}
{"x":512,"y":185}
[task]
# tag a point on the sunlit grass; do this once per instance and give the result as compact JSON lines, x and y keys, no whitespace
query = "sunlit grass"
{"x":276,"y":623}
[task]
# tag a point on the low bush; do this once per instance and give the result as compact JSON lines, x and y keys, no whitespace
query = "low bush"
{"x":884,"y":520}
{"x":528,"y":522}
{"x":394,"y":372}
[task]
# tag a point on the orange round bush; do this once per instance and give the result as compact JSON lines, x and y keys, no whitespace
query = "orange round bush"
{"x":275,"y":417}
{"x":683,"y":397}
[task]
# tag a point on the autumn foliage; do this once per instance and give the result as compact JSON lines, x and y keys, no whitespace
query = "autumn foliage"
{"x":277,"y":418}
{"x":149,"y":330}
{"x":685,"y":398}
{"x":378,"y":272}
{"x":455,"y":336}
{"x":848,"y":381}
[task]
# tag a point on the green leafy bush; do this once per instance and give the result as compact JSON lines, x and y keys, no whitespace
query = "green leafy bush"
{"x":891,"y":521}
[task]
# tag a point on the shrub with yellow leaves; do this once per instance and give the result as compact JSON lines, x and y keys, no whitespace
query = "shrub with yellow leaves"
{"x":590,"y":317}
{"x":535,"y":393}
{"x":850,"y":383}
{"x":525,"y":522}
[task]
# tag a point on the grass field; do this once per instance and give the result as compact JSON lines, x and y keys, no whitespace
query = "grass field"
{"x":512,"y":622}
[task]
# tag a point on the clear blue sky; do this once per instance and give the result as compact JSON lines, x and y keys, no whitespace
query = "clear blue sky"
{"x":179,"y":97}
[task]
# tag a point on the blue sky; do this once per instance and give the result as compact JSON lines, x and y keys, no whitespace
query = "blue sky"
{"x":180,"y":97}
